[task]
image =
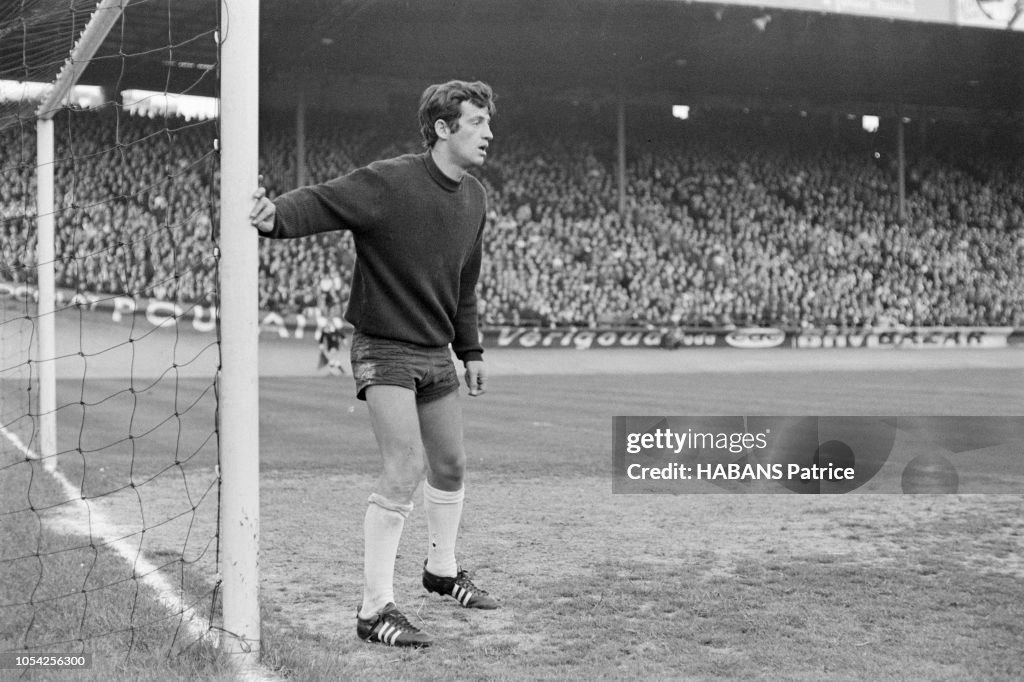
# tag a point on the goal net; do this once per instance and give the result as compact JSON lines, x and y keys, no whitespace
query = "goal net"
{"x":109,"y":342}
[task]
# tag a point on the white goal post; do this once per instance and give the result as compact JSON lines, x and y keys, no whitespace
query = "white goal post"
{"x":239,"y":381}
{"x":100,"y":23}
{"x":238,"y":285}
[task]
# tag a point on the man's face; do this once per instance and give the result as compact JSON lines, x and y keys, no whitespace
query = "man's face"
{"x":469,"y":141}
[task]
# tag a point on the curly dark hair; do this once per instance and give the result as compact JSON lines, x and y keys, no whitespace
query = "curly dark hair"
{"x":441,"y":101}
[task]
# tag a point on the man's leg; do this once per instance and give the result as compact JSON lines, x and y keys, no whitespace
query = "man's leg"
{"x":396,"y":427}
{"x":443,"y":492}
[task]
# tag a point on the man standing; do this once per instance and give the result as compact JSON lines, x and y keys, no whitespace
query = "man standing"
{"x":417,"y":221}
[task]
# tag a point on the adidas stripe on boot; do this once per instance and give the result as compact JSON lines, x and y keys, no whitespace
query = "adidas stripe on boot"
{"x":392,"y":628}
{"x":461,"y":588}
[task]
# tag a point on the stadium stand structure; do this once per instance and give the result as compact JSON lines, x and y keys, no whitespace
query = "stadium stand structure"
{"x":726,"y":224}
{"x":770,"y":206}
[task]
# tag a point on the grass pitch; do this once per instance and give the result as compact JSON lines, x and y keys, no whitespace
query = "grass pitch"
{"x":593,"y":585}
{"x":603,"y":586}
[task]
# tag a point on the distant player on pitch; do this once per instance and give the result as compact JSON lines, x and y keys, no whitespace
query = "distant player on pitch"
{"x":417,"y":222}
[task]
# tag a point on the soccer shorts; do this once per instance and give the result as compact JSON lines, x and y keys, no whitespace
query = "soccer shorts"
{"x":427,"y":372}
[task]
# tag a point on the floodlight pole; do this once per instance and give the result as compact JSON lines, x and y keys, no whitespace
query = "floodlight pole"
{"x":620,"y":134}
{"x":300,"y":138}
{"x":239,"y":376}
{"x":901,"y":156}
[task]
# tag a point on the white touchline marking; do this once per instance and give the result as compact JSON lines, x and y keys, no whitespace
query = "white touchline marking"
{"x":95,"y":525}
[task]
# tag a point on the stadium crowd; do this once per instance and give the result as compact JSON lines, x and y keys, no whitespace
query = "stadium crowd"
{"x":133,"y":207}
{"x":724,"y":224}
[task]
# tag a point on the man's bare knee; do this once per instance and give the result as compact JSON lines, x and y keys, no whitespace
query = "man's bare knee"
{"x":447,"y":473}
{"x":401,"y":476}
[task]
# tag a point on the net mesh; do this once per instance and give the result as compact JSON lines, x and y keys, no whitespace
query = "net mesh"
{"x":114,"y":552}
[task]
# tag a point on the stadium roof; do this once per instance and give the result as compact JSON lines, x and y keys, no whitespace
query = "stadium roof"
{"x":648,"y":49}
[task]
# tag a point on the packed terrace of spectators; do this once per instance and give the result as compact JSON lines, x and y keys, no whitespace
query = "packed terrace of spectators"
{"x":727,"y":222}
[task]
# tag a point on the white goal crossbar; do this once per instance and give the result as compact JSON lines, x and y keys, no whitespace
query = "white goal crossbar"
{"x":103,"y":18}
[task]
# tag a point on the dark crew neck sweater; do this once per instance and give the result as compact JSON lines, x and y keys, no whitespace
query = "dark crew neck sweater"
{"x":418,"y":237}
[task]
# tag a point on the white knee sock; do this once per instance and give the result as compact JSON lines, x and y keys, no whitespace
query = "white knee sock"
{"x":382,"y":531}
{"x":444,"y":512}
